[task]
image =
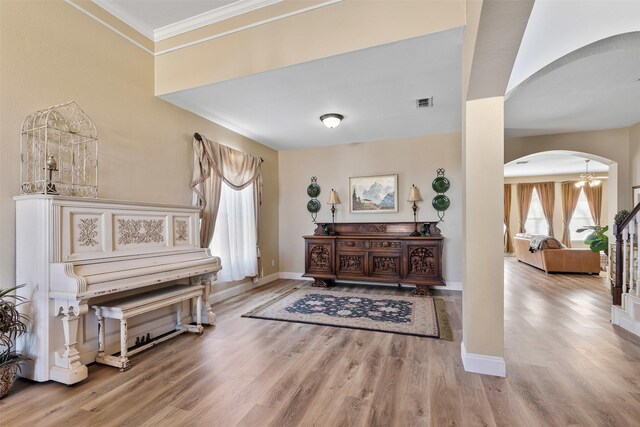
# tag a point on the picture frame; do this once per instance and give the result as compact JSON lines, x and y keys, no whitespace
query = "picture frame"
{"x":635,"y":196}
{"x":373,"y":194}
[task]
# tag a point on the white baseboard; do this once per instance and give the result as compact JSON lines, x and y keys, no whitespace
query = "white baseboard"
{"x":483,"y":364}
{"x":240,"y":288}
{"x":293,"y":276}
{"x":247,"y":285}
{"x":451,"y":286}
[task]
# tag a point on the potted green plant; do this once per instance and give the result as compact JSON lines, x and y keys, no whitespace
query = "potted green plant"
{"x":597,"y":239}
{"x":621,"y":216}
{"x":13,"y":323}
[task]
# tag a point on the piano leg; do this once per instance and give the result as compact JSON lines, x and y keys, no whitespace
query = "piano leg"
{"x":199,"y":314}
{"x":208,"y":316}
{"x":124,"y":359}
{"x":68,"y":369}
{"x":101,"y":332}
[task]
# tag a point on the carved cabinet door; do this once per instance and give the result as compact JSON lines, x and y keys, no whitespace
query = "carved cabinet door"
{"x":422,"y":261}
{"x":320,"y":257}
{"x":385,"y":265}
{"x":385,"y":259}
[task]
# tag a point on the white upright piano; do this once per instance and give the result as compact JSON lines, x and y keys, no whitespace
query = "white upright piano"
{"x":72,"y":253}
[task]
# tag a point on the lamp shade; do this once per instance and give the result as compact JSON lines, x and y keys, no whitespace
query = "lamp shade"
{"x":414,"y":194}
{"x":333,"y":198}
{"x":331,"y":120}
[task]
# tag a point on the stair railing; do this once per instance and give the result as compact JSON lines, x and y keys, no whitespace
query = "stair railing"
{"x":627,"y":278}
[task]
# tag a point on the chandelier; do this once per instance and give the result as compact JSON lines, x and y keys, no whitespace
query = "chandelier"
{"x":587,"y":178}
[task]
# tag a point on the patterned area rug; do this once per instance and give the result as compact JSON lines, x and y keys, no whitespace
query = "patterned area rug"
{"x":407,"y":315}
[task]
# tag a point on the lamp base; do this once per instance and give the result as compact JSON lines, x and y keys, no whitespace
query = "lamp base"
{"x":414,"y":234}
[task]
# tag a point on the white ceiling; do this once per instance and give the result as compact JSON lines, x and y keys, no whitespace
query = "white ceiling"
{"x":595,"y":87}
{"x":553,"y":163}
{"x":576,"y":70}
{"x":566,"y":78}
{"x":375,"y":89}
{"x":558,"y":27}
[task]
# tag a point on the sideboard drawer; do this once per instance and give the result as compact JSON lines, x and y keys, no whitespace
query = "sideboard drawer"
{"x":385,"y":244}
{"x":351,"y":244}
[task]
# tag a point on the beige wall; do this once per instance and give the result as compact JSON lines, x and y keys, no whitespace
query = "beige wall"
{"x":415,"y":160}
{"x":611,"y":144}
{"x":52,"y":53}
{"x":514,"y":219}
{"x":331,"y":30}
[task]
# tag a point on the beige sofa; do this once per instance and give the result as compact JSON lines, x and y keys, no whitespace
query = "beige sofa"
{"x":553,"y":258}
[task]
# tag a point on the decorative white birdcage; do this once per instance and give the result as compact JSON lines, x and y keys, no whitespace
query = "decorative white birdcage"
{"x":59,"y":152}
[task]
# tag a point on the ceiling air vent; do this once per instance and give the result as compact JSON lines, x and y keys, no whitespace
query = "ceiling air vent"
{"x":522,"y":162}
{"x":424,"y":102}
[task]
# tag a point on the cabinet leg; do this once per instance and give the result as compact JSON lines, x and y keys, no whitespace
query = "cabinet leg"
{"x":319,"y":283}
{"x":422,"y":290}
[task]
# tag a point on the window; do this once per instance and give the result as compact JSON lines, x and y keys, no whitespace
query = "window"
{"x":581,"y":217}
{"x":536,"y":222}
{"x":234,"y":237}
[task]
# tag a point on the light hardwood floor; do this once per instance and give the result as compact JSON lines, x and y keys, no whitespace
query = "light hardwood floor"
{"x":566,"y":366}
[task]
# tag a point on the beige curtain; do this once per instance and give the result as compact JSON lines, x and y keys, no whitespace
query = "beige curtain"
{"x":570,"y":194}
{"x":508,"y":246}
{"x":594,"y":197}
{"x":524,"y":201}
{"x":547,"y":194}
{"x":213,"y":164}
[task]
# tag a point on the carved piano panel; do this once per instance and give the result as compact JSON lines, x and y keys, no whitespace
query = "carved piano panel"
{"x":74,"y":252}
{"x":87,"y":233}
{"x":383,"y":252}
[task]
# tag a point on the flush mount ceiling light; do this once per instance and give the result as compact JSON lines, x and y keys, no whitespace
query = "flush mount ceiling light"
{"x":331,"y":120}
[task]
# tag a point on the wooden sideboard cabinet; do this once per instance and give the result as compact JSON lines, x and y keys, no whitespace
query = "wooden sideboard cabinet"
{"x":379,"y":252}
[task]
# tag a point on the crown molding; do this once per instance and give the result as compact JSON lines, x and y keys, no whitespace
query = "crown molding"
{"x":125,"y":17}
{"x":143,"y":29}
{"x":246,"y":27}
{"x":216,"y":15}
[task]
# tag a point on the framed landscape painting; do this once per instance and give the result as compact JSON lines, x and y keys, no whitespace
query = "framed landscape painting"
{"x":373,"y":194}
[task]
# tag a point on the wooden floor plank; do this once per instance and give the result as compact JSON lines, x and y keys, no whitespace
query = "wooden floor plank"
{"x":566,"y":366}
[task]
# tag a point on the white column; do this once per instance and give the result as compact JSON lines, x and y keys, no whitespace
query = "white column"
{"x":483,"y":286}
